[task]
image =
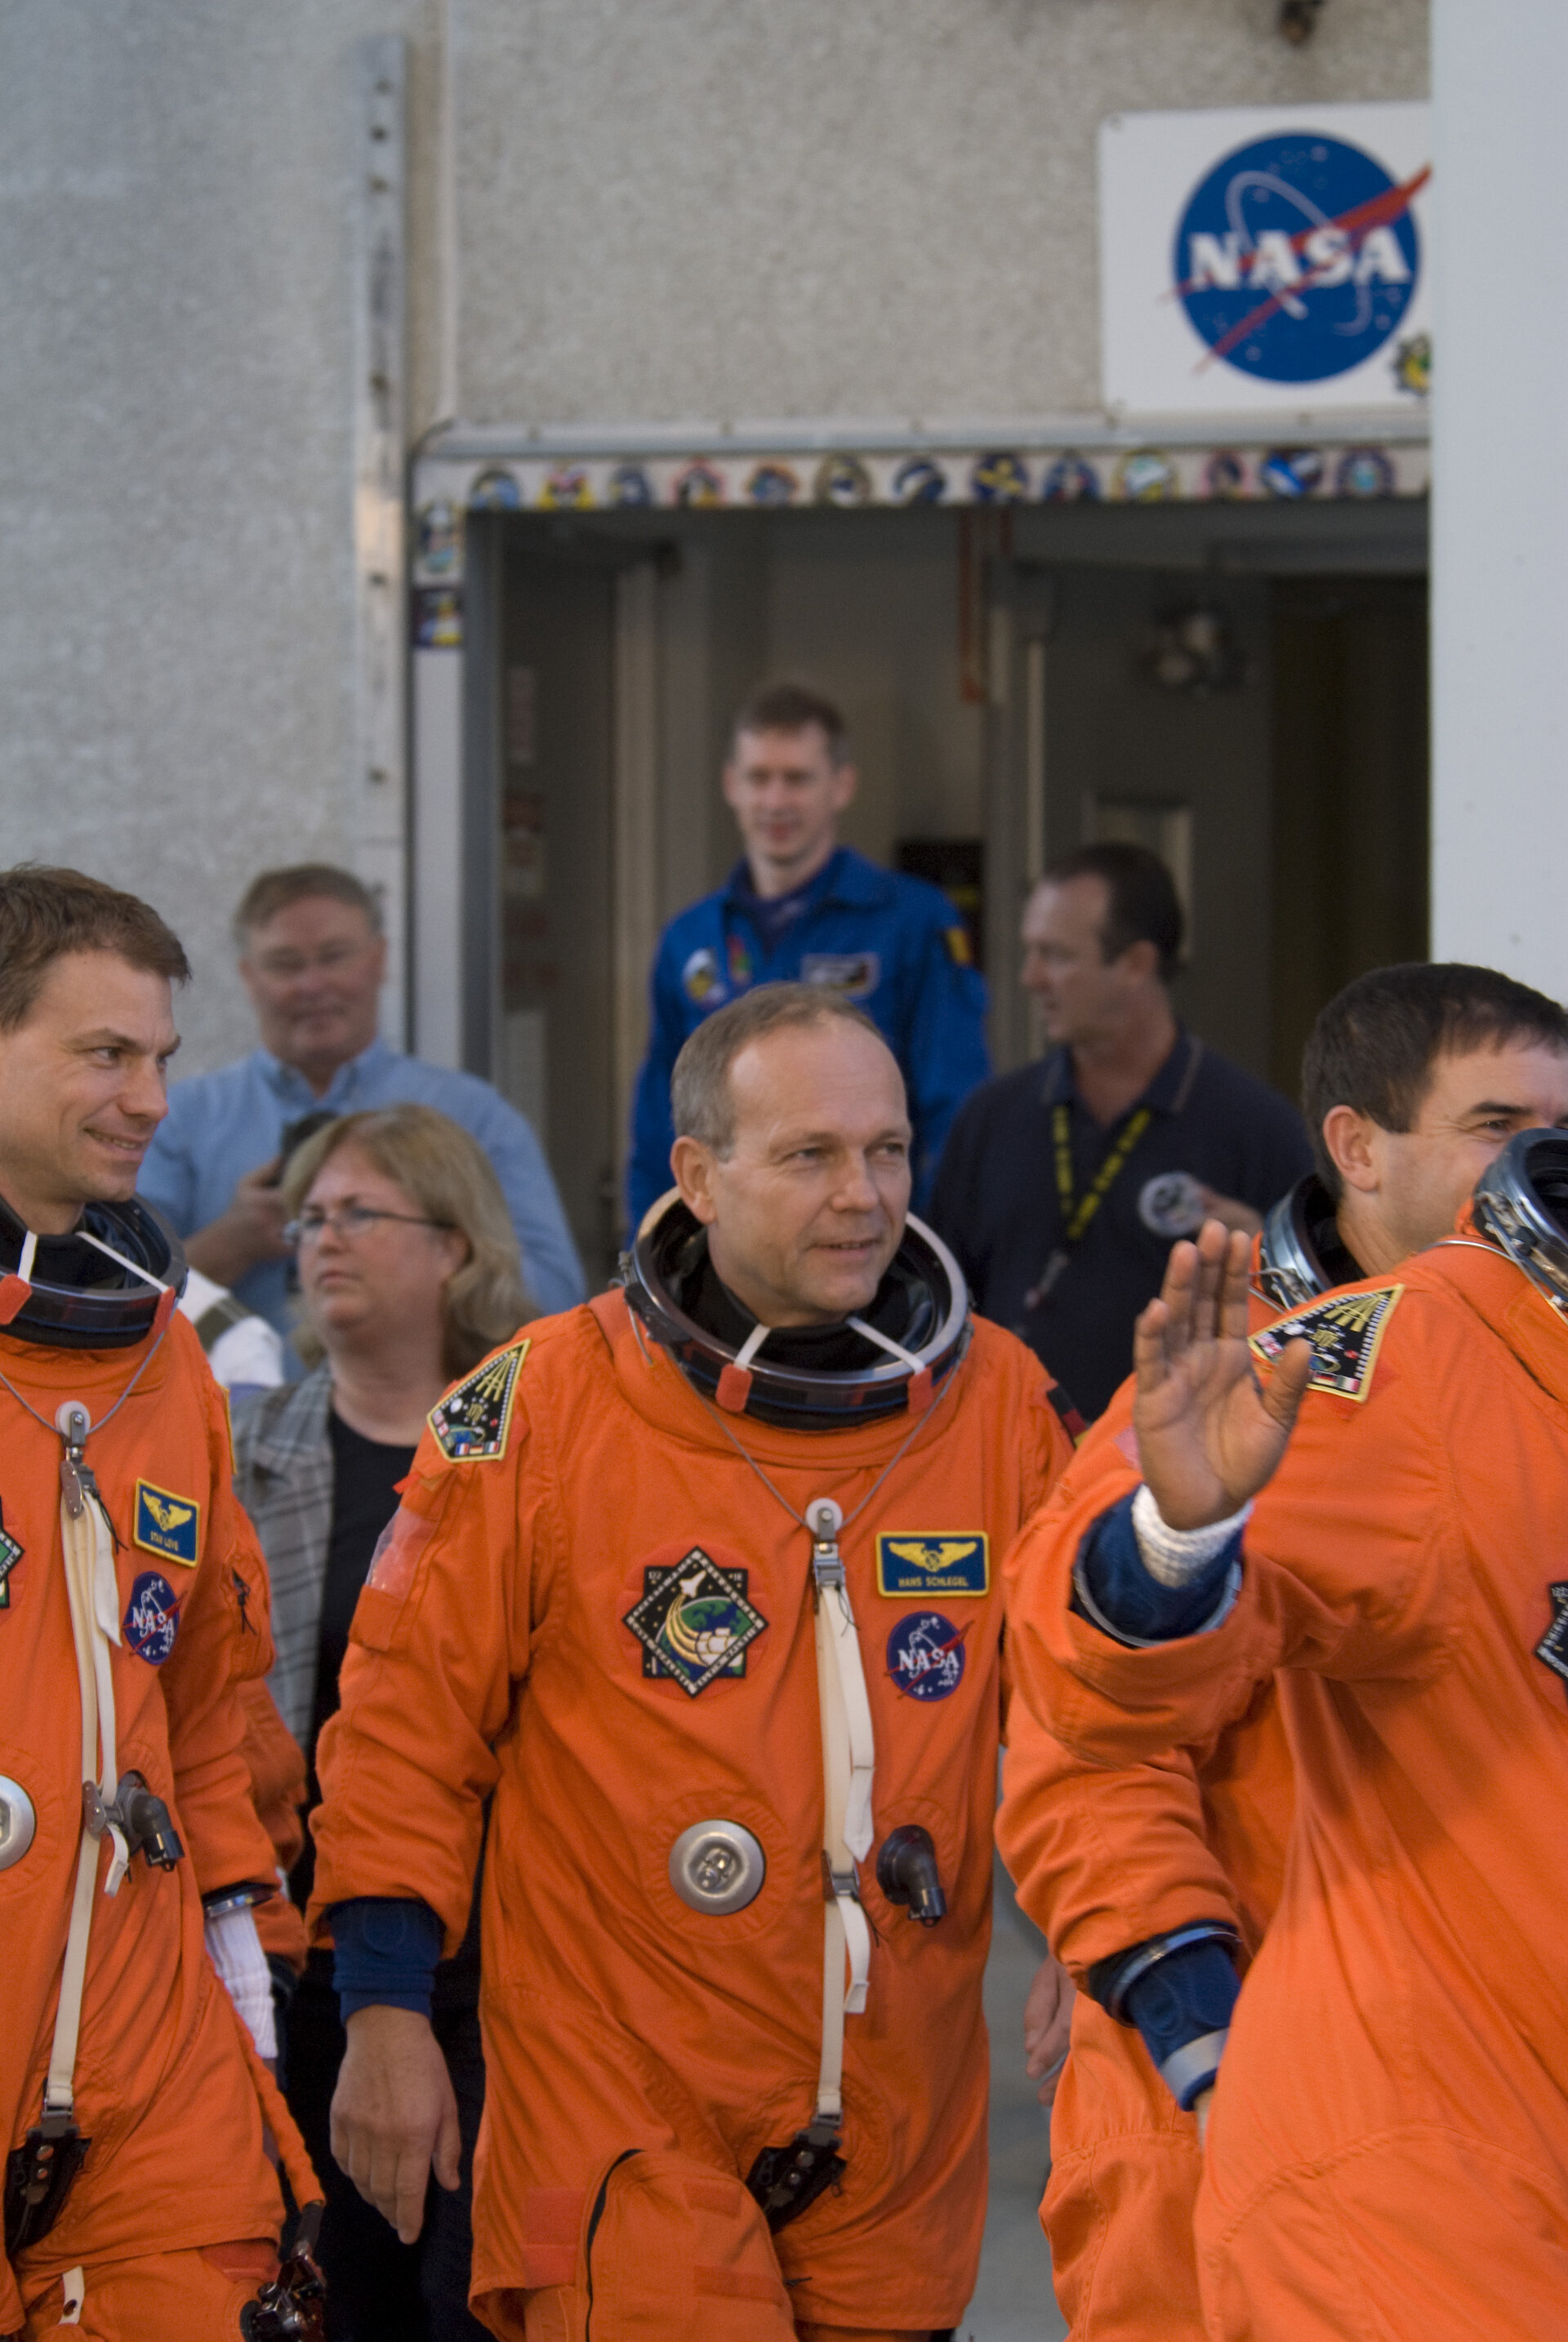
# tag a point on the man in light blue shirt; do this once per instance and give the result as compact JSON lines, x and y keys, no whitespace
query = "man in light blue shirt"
{"x":312,"y":958}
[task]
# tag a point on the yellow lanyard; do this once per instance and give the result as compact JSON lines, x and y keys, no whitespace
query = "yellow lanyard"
{"x":1076,"y":1215}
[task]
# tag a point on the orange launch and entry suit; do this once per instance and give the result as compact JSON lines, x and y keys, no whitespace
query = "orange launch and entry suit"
{"x":1103,"y":1860}
{"x":173,"y":2217}
{"x":279,"y":1787}
{"x":641,"y":2052}
{"x":1388,"y":2153}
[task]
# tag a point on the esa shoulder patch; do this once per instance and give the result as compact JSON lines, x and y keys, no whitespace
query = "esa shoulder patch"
{"x":1345,"y":1330}
{"x":473,"y":1422}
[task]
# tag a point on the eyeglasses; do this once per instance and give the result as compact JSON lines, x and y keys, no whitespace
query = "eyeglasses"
{"x":349,"y":1221}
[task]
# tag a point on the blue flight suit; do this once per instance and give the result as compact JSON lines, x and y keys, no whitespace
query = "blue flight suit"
{"x":892,"y":945}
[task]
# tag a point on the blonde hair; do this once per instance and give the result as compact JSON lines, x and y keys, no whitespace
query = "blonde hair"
{"x":446,"y":1176}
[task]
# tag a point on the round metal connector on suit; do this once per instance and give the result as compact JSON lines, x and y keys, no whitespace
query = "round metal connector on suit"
{"x":17,"y":1821}
{"x":717,"y":1867}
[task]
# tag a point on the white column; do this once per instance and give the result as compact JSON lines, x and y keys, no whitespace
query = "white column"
{"x":437,"y":691}
{"x":1500,"y":466}
{"x":380,"y":784}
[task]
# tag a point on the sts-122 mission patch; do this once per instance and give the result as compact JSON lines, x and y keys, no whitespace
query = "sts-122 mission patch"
{"x":693,"y":1621}
{"x":1345,"y":1330}
{"x":472,"y":1422}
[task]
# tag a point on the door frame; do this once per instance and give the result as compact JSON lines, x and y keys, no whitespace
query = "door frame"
{"x":451,"y":874}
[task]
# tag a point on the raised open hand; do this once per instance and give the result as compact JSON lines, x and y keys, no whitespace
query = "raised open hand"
{"x":1210,"y":1435}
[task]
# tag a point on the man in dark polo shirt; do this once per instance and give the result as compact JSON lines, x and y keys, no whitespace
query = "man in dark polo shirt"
{"x":1062,"y":1187}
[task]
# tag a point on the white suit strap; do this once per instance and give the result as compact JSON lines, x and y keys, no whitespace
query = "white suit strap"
{"x":849,"y":1757}
{"x":88,"y":1547}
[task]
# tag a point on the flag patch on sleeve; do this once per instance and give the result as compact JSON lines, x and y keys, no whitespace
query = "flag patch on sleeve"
{"x":473,"y":1422}
{"x":1345,"y":1330}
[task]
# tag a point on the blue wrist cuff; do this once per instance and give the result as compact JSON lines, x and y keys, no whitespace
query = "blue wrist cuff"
{"x":386,"y":1954}
{"x":1131,"y":1603}
{"x":1183,"y":2007}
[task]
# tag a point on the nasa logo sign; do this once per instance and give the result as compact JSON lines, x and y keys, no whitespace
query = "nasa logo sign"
{"x":1264,"y":259}
{"x":1297,"y":256}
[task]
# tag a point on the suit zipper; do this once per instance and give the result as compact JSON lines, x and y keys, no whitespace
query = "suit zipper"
{"x":595,"y":2216}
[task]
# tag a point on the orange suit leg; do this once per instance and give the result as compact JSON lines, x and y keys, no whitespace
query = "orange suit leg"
{"x":191,"y":2296}
{"x":1414,"y":2235}
{"x":659,"y":2245}
{"x":861,"y":2334}
{"x":1119,"y":2203}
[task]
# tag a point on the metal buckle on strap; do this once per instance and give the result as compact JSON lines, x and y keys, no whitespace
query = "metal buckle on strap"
{"x":839,"y":1886}
{"x":824,"y":1519}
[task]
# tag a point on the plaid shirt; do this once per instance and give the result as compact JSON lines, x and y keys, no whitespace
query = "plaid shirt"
{"x":284,"y":1478}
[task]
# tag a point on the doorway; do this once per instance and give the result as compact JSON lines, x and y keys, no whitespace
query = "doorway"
{"x":608,"y":654}
{"x":1241,"y":686}
{"x":1350,"y":754}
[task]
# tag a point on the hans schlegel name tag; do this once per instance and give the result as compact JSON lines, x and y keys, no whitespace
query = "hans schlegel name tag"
{"x":951,"y":1562}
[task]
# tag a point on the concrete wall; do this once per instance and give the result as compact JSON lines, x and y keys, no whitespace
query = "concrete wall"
{"x":176,"y":627}
{"x":738,"y":208}
{"x":665,"y":207}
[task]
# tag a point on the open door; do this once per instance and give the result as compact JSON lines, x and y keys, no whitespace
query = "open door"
{"x":572,"y":719}
{"x":1128,"y":704}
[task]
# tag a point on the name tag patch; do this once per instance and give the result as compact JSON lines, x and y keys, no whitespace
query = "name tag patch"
{"x":855,"y":973}
{"x":167,"y":1525}
{"x":694,"y":1622}
{"x":1345,"y":1332}
{"x":472,"y":1421}
{"x":943,"y":1562}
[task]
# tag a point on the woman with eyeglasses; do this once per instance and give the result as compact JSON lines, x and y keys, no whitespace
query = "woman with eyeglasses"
{"x":408,"y":1275}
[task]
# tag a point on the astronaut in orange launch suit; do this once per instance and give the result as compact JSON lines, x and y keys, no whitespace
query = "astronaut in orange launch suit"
{"x":1412,"y":1079}
{"x":1387,"y":2150}
{"x":138,"y":2198}
{"x":701,"y":1582}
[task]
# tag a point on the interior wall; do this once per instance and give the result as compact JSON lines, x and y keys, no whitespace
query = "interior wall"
{"x":865,"y":606}
{"x":1112,"y":732}
{"x":553,"y":1048}
{"x":1350,"y":762}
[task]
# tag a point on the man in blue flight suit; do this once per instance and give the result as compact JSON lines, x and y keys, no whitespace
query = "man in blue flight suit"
{"x":799,"y":906}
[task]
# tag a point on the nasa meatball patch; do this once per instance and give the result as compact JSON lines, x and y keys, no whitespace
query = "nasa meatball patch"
{"x":926,"y":1655}
{"x":694,"y":1622}
{"x":1345,"y":1331}
{"x":152,"y":1617}
{"x":472,"y":1421}
{"x":167,"y":1525}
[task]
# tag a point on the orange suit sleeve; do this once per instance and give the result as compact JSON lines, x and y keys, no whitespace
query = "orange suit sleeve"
{"x":1105,"y":1857}
{"x":1101,"y":1857}
{"x":224,"y":1640}
{"x":1046,"y":1446}
{"x":439,"y":1642}
{"x":276,"y":1766}
{"x":1349,"y":1569}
